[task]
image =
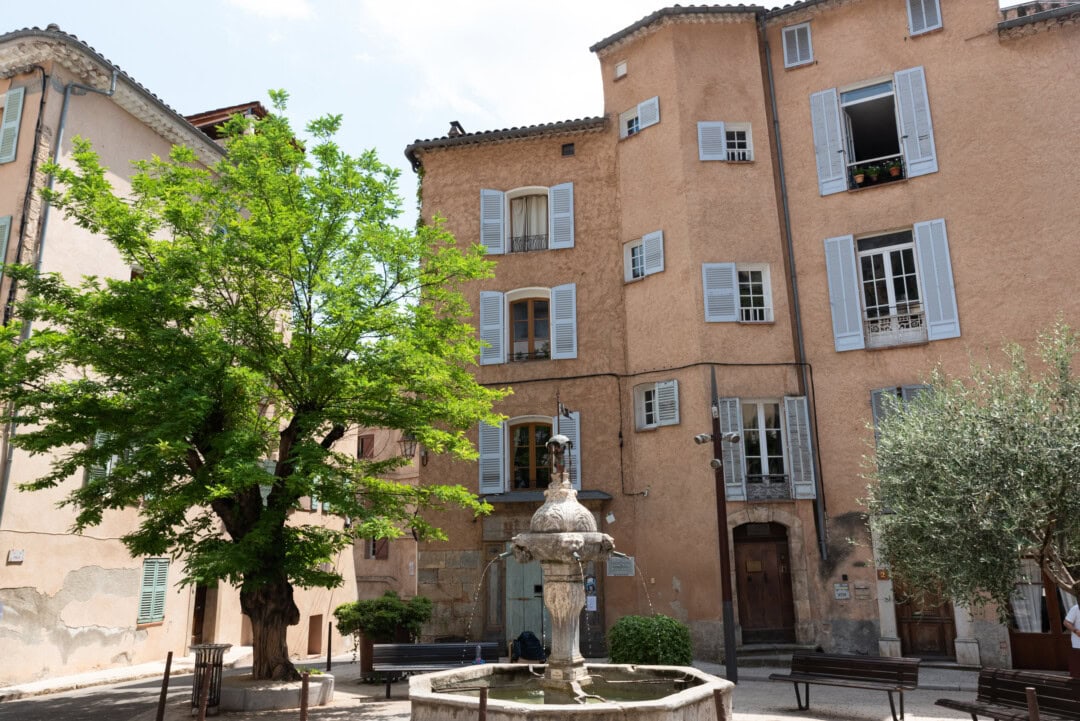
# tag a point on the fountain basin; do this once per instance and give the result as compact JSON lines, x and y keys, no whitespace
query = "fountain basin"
{"x":647,"y":693}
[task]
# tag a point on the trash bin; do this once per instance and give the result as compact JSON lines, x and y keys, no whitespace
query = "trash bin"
{"x":208,"y":663}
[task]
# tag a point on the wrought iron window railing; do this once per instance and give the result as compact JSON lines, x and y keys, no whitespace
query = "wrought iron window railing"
{"x":527,"y":243}
{"x":521,"y":356}
{"x":897,"y":329}
{"x":768,"y":487}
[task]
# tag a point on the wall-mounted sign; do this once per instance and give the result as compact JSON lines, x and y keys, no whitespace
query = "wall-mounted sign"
{"x":862,"y":591}
{"x":883,"y":574}
{"x":841,"y":592}
{"x":620,"y":566}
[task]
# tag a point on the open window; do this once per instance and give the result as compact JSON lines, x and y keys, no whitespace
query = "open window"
{"x":528,"y":324}
{"x":656,"y":404}
{"x":773,"y":460}
{"x":527,"y":219}
{"x":636,"y":119}
{"x":514,"y":455}
{"x":643,"y":256}
{"x":737,"y":292}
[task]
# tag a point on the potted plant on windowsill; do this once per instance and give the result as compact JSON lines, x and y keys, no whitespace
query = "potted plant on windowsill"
{"x":894,"y":167}
{"x":858,"y":174}
{"x":873,"y":172}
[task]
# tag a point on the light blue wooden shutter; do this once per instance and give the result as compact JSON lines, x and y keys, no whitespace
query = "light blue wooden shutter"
{"x":492,"y":209}
{"x":9,"y":124}
{"x":879,"y":407}
{"x":916,"y":128}
{"x":561,"y":216}
{"x":721,"y":285}
{"x":711,"y":140}
{"x":571,"y":428}
{"x":98,"y":471}
{"x":667,"y":403}
{"x":935,"y":272}
{"x":161,"y":587}
{"x":5,"y":233}
{"x":492,"y":445}
{"x":910,"y":393}
{"x":800,"y":447}
{"x":844,"y":293}
{"x":828,"y":142}
{"x":564,"y":321}
{"x":146,"y":592}
{"x":923,"y":16}
{"x":652,"y":247}
{"x":734,"y":475}
{"x":648,"y":113}
{"x":492,"y":328}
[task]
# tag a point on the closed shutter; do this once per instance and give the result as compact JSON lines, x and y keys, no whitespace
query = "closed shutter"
{"x":844,"y":293}
{"x":879,"y":407}
{"x":9,"y":124}
{"x":734,"y":476}
{"x":5,"y":232}
{"x":564,"y":321}
{"x":382,"y":549}
{"x":561,"y":216}
{"x":720,"y":283}
{"x":910,"y":393}
{"x":492,"y":328}
{"x":161,"y":587}
{"x":667,"y":403}
{"x":712,"y":142}
{"x":570,"y":426}
{"x":935,"y":272}
{"x":492,"y":208}
{"x":652,"y":245}
{"x":98,"y":471}
{"x":916,"y":128}
{"x":828,"y":142}
{"x":492,"y":443}
{"x":923,"y":16}
{"x":800,"y":448}
{"x":146,"y":592}
{"x":648,"y":113}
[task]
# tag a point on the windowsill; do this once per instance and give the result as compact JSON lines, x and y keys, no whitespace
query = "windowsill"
{"x":756,"y":322}
{"x":739,"y":162}
{"x":807,"y":64}
{"x":880,"y":183}
{"x":537,"y":496}
{"x":149,"y":624}
{"x":938,"y":29}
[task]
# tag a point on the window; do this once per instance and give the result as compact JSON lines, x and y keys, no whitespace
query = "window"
{"x":725,"y":141}
{"x":798,"y":49}
{"x":657,"y":404}
{"x":530,"y":329}
{"x":9,"y":124}
{"x":774,"y":458}
{"x":567,"y":150}
{"x":880,"y":407}
{"x":643,"y":256}
{"x":923,"y":16}
{"x":377,"y":549}
{"x":541,"y":323}
{"x":154,"y":587}
{"x":103,"y":468}
{"x":620,"y":70}
{"x":514,"y":456}
{"x":638,"y":118}
{"x":365,"y":446}
{"x":872,"y":128}
{"x":901,"y":291}
{"x":527,"y":219}
{"x":736,"y":292}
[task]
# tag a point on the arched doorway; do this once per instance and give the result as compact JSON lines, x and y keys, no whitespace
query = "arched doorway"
{"x":763,"y":578}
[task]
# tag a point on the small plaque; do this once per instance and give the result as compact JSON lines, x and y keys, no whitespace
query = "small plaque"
{"x":753,"y":566}
{"x":619,"y":566}
{"x":841,"y":592}
{"x":590,"y":603}
{"x":883,"y":574}
{"x":862,"y":591}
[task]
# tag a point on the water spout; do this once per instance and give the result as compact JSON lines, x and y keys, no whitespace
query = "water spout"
{"x":619,"y":554}
{"x":506,"y":554}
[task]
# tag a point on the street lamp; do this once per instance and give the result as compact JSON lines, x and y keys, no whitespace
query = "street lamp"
{"x":717,"y":464}
{"x":408,"y":444}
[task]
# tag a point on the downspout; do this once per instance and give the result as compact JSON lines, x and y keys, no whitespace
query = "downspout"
{"x":800,"y":346}
{"x":5,"y":473}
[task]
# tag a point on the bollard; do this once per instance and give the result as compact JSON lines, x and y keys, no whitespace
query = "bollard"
{"x":204,"y":692}
{"x":329,"y":643}
{"x":305,"y":680}
{"x":1033,"y":703}
{"x":483,"y":703}
{"x":164,"y":689}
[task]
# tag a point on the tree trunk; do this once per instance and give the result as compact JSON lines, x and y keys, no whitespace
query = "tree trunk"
{"x":271,"y":610}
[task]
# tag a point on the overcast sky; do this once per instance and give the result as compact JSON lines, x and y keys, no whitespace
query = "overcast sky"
{"x":397,"y":70}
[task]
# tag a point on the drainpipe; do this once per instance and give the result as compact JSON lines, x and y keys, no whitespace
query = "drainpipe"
{"x":5,"y":472}
{"x":800,"y":347}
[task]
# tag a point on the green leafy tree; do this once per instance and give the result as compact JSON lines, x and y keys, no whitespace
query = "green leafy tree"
{"x":980,"y":472}
{"x":277,"y":305}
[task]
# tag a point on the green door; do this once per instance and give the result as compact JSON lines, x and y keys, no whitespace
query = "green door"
{"x":525,"y":601}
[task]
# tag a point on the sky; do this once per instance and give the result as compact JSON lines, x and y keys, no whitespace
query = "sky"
{"x":396,"y":70}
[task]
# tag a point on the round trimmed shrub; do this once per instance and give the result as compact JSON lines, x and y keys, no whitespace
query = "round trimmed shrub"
{"x":650,"y":640}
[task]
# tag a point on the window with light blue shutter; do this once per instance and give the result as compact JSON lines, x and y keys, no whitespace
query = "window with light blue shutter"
{"x":720,"y":283}
{"x":798,"y":48}
{"x":648,"y":112}
{"x":828,"y":142}
{"x":935,"y":273}
{"x":570,"y":426}
{"x":711,"y":141}
{"x":9,"y":124}
{"x":492,"y":210}
{"x":916,"y":127}
{"x":800,"y":447}
{"x":564,"y":341}
{"x":492,"y":448}
{"x":153,"y":590}
{"x":5,"y":233}
{"x":844,"y":293}
{"x":561,"y":216}
{"x":734,"y":473}
{"x":923,"y":16}
{"x":492,"y":328}
{"x":667,"y":403}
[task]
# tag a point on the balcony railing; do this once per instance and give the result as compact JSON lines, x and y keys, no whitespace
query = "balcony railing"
{"x":1018,"y":19}
{"x":522,"y":356}
{"x":768,"y":487}
{"x":898,"y":329}
{"x":527,"y":243}
{"x":876,"y":171}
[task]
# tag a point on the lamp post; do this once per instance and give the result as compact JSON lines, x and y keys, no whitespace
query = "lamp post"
{"x":408,"y":444}
{"x":717,"y":438}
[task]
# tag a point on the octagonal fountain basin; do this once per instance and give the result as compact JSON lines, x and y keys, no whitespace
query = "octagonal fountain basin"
{"x":612,"y":693}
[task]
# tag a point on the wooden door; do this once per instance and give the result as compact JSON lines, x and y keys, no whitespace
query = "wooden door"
{"x":198,"y":615}
{"x":525,"y":600}
{"x":763,"y":579}
{"x":1046,"y":648}
{"x":927,"y":628}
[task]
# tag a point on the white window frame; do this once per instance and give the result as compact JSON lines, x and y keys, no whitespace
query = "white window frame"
{"x":650,"y":248}
{"x":760,"y":415}
{"x":729,"y":151}
{"x":891,"y":329}
{"x":923,"y":5}
{"x":766,"y":311}
{"x":656,"y":404}
{"x":793,"y":31}
{"x":725,"y":299}
{"x":636,"y":119}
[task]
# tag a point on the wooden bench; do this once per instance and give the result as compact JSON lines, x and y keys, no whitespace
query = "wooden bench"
{"x":1002,"y":696}
{"x":892,"y":675}
{"x":393,"y":658}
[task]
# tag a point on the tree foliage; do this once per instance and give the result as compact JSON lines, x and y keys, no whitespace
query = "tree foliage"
{"x":276,"y":305}
{"x":981,"y":472}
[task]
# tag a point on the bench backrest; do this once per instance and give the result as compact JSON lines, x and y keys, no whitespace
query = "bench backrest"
{"x":904,"y":672}
{"x":450,"y":654}
{"x":1057,"y":693}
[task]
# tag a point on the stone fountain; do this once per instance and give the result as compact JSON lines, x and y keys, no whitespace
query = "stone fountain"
{"x":563,"y":536}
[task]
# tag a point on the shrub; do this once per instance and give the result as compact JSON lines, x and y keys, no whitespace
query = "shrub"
{"x":652,"y":640}
{"x":379,"y":619}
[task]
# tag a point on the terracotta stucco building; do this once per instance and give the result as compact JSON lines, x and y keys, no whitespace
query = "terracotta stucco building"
{"x":819,"y":203}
